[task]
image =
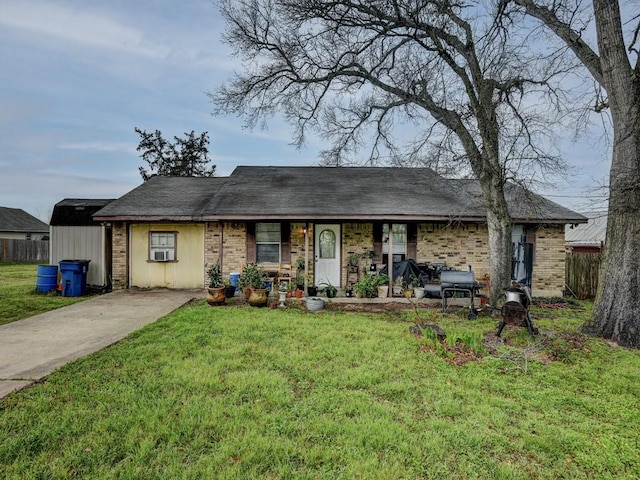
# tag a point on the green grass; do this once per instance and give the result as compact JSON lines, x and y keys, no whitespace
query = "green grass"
{"x":18,"y":296}
{"x":245,"y":393}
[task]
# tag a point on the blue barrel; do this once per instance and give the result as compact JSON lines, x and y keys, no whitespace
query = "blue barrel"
{"x":47,"y":278}
{"x":234,"y":279}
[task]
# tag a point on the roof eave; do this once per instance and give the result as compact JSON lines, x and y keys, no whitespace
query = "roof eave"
{"x":147,"y":218}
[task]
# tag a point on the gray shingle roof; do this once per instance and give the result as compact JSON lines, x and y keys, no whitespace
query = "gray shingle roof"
{"x":308,"y":193}
{"x":164,"y":198}
{"x":17,"y":220}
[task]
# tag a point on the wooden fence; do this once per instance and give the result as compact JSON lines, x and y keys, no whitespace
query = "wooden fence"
{"x":581,"y":274}
{"x":24,"y":251}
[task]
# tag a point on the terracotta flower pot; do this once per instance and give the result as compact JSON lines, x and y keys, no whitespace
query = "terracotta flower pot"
{"x":259,"y":297}
{"x":215,"y":296}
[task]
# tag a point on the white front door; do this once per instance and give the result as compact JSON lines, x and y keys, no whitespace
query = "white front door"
{"x":327,"y":255}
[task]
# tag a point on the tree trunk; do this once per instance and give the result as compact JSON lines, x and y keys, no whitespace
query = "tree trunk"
{"x":500,"y":250}
{"x":617,"y":309}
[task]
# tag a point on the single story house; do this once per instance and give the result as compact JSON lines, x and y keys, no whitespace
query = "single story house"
{"x":16,"y":224}
{"x":168,"y":229}
{"x":75,"y":236}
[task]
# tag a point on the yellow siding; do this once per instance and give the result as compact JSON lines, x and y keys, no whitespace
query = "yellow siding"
{"x":186,"y":272}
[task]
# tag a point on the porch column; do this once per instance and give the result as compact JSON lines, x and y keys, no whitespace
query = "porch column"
{"x":390,"y":260}
{"x":306,"y":255}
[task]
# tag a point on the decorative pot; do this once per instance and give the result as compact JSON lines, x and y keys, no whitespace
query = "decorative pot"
{"x":418,"y":292}
{"x":312,"y":291}
{"x":383,"y":291}
{"x":282,"y":297}
{"x":247,"y":292}
{"x":299,"y":293}
{"x":315,"y":304}
{"x":408,"y":293}
{"x":397,"y":291}
{"x":331,"y":292}
{"x":259,"y":297}
{"x":215,"y":296}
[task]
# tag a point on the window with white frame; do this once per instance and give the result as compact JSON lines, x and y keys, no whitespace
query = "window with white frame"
{"x":162,"y":246}
{"x":268,"y":242}
{"x":399,"y":240}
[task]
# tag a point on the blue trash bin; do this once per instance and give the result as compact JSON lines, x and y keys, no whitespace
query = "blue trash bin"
{"x":74,"y":277}
{"x":234,"y":279}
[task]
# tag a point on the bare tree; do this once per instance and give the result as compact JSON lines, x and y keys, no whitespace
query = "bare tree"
{"x":354,"y":70}
{"x":616,"y":68}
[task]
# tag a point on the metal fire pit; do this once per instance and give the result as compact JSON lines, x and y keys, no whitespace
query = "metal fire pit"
{"x":516,"y":309}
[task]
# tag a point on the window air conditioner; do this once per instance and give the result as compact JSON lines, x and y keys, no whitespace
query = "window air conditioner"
{"x":161,"y":255}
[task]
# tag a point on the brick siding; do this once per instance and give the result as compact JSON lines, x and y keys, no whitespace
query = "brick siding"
{"x":455,"y":246}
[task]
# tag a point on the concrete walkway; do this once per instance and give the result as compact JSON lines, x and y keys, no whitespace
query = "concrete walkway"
{"x":32,"y":348}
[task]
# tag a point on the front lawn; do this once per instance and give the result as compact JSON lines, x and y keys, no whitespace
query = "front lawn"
{"x":18,"y":296}
{"x":246,"y":393}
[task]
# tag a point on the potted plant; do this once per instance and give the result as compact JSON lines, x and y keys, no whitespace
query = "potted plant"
{"x":215,"y":290}
{"x":330,"y":291}
{"x":418,"y":289}
{"x":398,"y":284}
{"x":252,"y":279}
{"x":282,"y":293}
{"x":382,"y":285}
{"x":407,"y":290}
{"x":229,"y":290}
{"x":312,"y":290}
{"x":348,"y":292}
{"x":353,"y":262}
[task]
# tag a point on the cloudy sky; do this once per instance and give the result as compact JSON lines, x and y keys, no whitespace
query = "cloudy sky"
{"x":77,"y":76}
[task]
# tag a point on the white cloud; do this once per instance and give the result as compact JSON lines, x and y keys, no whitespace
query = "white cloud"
{"x":86,"y":29}
{"x":98,"y":146}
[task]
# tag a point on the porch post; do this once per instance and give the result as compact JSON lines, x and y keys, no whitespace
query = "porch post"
{"x":306,"y":255}
{"x":390,"y":260}
{"x":221,"y":246}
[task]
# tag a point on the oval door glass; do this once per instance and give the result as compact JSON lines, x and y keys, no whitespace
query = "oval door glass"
{"x":327,"y":244}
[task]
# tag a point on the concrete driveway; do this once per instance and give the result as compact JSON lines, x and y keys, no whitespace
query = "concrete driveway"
{"x":32,"y":348}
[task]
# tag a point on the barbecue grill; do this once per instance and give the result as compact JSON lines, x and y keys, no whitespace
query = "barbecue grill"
{"x":515,"y":311}
{"x":455,"y":283}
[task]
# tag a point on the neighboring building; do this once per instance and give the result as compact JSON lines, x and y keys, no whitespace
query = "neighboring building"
{"x":587,"y":237}
{"x":16,"y":224}
{"x":167,"y":230}
{"x":75,"y":236}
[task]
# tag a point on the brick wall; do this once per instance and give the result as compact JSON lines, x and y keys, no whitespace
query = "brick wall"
{"x":120,"y":256}
{"x":549,"y":261}
{"x":357,"y":238}
{"x":455,"y":246}
{"x":235,"y":247}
